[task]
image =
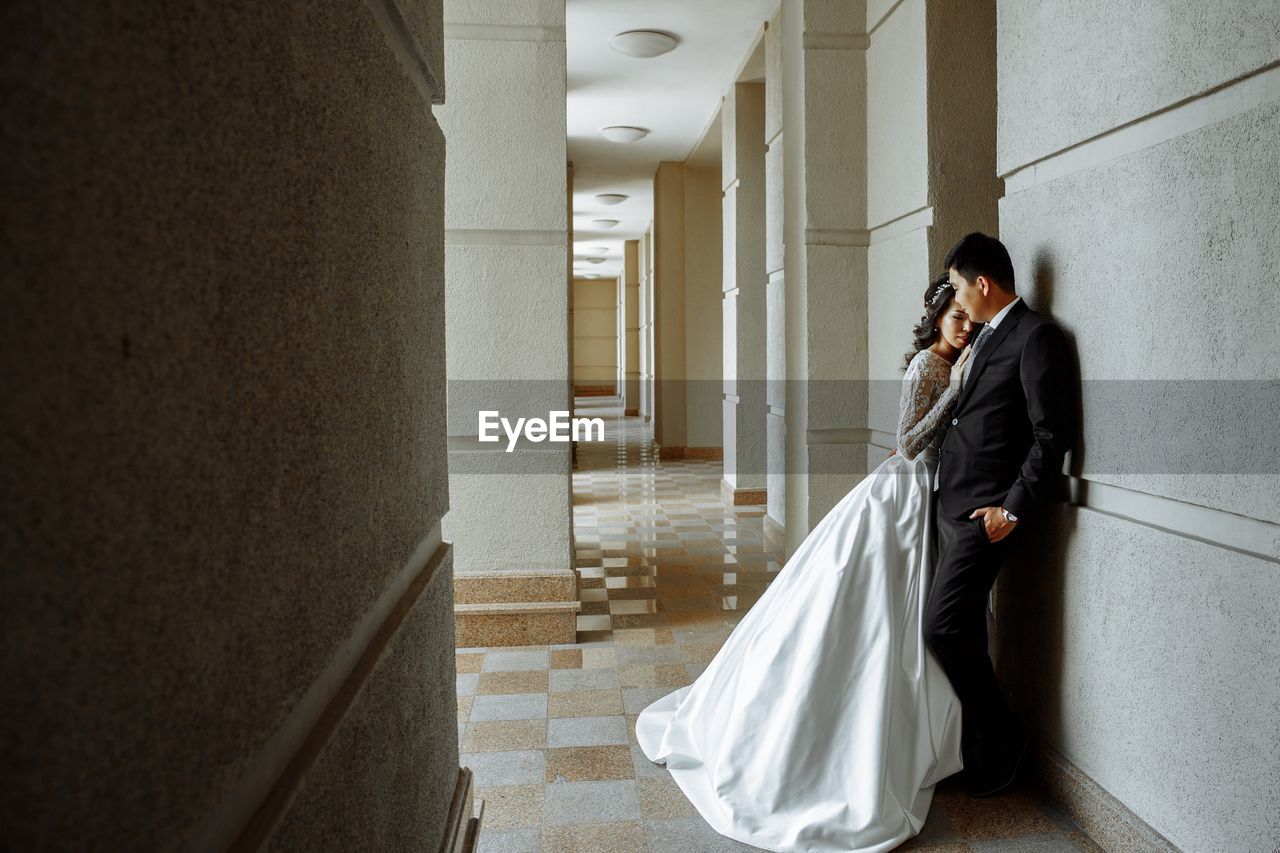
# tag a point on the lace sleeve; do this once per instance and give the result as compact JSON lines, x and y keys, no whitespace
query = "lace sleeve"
{"x":926,"y":399}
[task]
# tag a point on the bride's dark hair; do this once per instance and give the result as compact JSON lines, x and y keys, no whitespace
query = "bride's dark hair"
{"x":936,"y":300}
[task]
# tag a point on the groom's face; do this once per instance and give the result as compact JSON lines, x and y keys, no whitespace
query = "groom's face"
{"x":970,"y":296}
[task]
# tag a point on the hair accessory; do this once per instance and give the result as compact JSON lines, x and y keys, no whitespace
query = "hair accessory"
{"x":938,"y":291}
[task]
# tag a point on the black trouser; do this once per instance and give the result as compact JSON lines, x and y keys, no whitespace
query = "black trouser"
{"x":956,"y":622}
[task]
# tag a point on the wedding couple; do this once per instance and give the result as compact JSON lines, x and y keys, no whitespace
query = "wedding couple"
{"x":835,"y":705}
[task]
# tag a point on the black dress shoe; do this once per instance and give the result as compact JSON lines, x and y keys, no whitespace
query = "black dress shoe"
{"x":1000,"y":765}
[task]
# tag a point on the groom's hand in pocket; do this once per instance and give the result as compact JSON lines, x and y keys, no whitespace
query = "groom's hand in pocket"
{"x":993,"y":522}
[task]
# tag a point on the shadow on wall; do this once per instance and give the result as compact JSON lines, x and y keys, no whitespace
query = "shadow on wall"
{"x":1031,"y":590}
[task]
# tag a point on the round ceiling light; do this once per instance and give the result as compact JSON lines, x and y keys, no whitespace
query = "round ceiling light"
{"x":611,"y":199}
{"x":595,"y":260}
{"x":643,"y":44}
{"x":605,"y":223}
{"x":623,"y":133}
{"x":599,"y":248}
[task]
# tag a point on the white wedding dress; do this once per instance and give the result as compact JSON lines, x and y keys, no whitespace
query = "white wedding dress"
{"x":823,"y":722}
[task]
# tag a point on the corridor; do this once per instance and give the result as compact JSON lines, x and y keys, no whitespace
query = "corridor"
{"x":665,"y":570}
{"x":272,"y":270}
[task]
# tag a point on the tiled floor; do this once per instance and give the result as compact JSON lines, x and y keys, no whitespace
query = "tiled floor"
{"x":667,"y":570}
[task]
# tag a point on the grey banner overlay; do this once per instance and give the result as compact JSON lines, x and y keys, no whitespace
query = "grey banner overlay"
{"x":1128,"y":426}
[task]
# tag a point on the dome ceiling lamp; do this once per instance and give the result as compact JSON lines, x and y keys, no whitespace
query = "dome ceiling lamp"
{"x":605,"y":223}
{"x":643,"y":44}
{"x":610,"y":199}
{"x":623,"y":134}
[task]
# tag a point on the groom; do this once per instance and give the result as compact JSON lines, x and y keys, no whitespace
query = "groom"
{"x":998,"y":464}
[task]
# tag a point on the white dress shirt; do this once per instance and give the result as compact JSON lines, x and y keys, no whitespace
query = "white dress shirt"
{"x":995,"y":321}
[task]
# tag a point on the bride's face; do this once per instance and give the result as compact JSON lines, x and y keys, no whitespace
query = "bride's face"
{"x":954,"y":326}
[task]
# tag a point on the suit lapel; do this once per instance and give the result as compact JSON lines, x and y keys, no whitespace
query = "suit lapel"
{"x":984,"y":355}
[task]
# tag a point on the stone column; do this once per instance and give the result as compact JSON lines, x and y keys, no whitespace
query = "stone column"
{"x":825,"y":236}
{"x":743,"y":181}
{"x":620,"y":333}
{"x":703,"y":304}
{"x":226,"y":603}
{"x":670,"y":378}
{"x":775,"y":285}
{"x":931,"y":171}
{"x":507,"y":274}
{"x":595,"y":336}
{"x":629,"y":327}
{"x":645,"y":334}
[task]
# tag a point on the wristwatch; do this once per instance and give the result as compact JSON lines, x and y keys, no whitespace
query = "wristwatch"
{"x":1008,"y":516}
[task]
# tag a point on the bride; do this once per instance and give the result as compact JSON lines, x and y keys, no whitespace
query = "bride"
{"x":823,"y":723}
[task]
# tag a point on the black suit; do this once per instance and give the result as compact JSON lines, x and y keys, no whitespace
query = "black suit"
{"x":1009,"y":430}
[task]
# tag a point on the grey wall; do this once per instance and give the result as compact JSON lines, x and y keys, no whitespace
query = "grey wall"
{"x":1142,"y":205}
{"x":223,"y":441}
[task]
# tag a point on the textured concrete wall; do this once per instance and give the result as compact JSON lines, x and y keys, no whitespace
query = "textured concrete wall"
{"x":629,"y":369}
{"x":223,"y":437}
{"x":645,"y":333}
{"x":931,"y":103}
{"x":744,"y":337}
{"x":775,"y":286}
{"x":668,"y":272}
{"x":1150,"y":55}
{"x":1138,"y":651}
{"x":507,"y":272}
{"x":897,"y":186}
{"x":686,"y":304}
{"x":400,"y":712}
{"x":897,"y":115}
{"x":595,"y":331}
{"x":704,"y":362}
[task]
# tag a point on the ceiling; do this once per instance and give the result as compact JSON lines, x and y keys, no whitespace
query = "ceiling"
{"x":675,"y":96}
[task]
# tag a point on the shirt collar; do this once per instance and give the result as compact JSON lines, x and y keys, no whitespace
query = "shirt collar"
{"x":995,"y":321}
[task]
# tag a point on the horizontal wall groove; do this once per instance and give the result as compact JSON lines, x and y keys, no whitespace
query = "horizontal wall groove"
{"x":838,"y":435}
{"x":1252,"y":537}
{"x":503,"y":32}
{"x":1220,"y":103}
{"x":901,"y":225}
{"x":250,"y":811}
{"x":855,"y":237}
{"x":1249,"y":536}
{"x":884,"y":16}
{"x":406,"y":48}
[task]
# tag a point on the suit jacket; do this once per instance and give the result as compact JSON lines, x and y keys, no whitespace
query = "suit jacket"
{"x":1013,"y":422}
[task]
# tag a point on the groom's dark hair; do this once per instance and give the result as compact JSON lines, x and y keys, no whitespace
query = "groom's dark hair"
{"x":977,"y":254}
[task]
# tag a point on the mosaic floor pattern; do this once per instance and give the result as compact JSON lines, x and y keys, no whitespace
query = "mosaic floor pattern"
{"x":666,"y":570}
